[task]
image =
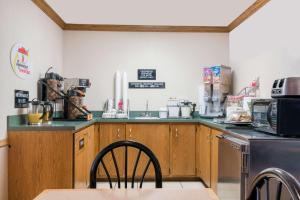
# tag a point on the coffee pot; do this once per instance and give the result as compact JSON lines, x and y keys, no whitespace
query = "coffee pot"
{"x":48,"y":112}
{"x":35,"y":112}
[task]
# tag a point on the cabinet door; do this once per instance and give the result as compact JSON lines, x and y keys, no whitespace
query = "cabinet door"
{"x":91,"y":148}
{"x":214,"y":158}
{"x":110,"y":133}
{"x":204,"y":154}
{"x":157,"y":138}
{"x":183,"y":150}
{"x":198,"y":151}
{"x":80,"y":173}
{"x":39,"y":160}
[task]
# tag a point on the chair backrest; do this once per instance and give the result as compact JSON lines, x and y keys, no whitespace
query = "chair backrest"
{"x":283,"y":179}
{"x":125,"y":144}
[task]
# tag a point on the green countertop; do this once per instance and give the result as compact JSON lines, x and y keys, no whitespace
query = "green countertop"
{"x":16,"y":123}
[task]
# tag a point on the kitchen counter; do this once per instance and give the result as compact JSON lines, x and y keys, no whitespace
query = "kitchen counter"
{"x":15,"y":123}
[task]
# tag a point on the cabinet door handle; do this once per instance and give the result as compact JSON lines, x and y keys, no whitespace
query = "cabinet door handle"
{"x":118,"y":132}
{"x":176,"y":132}
{"x":130,"y":130}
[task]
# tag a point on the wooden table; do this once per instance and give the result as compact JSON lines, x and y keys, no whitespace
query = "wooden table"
{"x":129,"y":194}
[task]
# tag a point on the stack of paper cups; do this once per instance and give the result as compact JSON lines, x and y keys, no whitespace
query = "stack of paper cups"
{"x":117,"y":89}
{"x":125,"y":92}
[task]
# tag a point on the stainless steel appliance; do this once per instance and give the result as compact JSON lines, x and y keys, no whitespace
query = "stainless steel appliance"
{"x":278,"y":116}
{"x":259,"y":110}
{"x":286,"y":87}
{"x":233,"y":168}
{"x":245,"y":153}
{"x":281,"y":153}
{"x":217,"y":85}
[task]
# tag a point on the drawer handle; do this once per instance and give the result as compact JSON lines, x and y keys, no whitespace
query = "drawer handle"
{"x":81,"y":143}
{"x":118,"y":132}
{"x":130,"y":130}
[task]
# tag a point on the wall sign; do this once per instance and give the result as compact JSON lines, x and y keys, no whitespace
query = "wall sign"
{"x":147,"y":85}
{"x":146,"y":74}
{"x":20,"y":61}
{"x":21,"y":99}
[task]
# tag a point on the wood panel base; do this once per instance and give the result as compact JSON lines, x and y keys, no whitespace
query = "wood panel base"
{"x":3,"y":143}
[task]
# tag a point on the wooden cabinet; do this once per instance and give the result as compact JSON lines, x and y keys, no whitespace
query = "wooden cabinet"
{"x":204,"y":156}
{"x":81,"y":155}
{"x":110,"y":133}
{"x":39,"y":160}
{"x":198,"y":151}
{"x":157,"y":138}
{"x":214,"y":158}
{"x":92,"y":147}
{"x":84,"y":154}
{"x":207,"y":155}
{"x":183,"y":150}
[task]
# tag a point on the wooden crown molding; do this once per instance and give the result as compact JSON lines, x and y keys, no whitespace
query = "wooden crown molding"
{"x":3,"y":143}
{"x":42,"y":4}
{"x":145,"y":28}
{"x":247,"y":13}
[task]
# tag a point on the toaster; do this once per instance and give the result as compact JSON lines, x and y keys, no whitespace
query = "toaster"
{"x":286,"y":87}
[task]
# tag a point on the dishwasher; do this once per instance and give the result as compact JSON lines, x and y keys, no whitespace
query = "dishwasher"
{"x":233,"y":161}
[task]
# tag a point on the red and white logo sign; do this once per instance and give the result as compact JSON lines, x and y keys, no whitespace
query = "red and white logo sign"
{"x":20,"y":61}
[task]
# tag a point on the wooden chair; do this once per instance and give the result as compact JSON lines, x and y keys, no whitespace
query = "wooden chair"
{"x":110,"y":149}
{"x":282,"y":178}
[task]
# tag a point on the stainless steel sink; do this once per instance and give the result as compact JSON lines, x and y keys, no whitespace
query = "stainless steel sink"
{"x":147,"y":118}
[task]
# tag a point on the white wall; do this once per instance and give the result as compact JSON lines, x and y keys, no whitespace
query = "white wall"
{"x":267,"y":45}
{"x":178,"y":58}
{"x":22,"y":21}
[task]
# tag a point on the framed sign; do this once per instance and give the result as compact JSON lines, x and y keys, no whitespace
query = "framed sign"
{"x":146,"y":74}
{"x":20,"y":61}
{"x":21,"y":99}
{"x":147,"y":85}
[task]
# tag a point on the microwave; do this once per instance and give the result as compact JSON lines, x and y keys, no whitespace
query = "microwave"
{"x":279,"y":116}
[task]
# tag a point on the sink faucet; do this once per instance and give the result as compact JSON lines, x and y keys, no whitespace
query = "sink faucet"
{"x":147,"y":113}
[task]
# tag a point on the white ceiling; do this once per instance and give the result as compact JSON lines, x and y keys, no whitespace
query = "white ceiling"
{"x":150,"y":12}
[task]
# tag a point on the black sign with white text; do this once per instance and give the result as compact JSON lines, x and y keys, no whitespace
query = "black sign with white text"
{"x":146,"y":74}
{"x":21,"y":99}
{"x":147,"y":85}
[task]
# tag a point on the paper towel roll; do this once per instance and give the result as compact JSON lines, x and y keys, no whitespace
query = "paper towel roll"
{"x":125,"y":92}
{"x":117,"y":89}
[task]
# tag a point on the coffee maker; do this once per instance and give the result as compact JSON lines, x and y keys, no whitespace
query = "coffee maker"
{"x":217,"y":85}
{"x":75,"y":88}
{"x":67,"y":96}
